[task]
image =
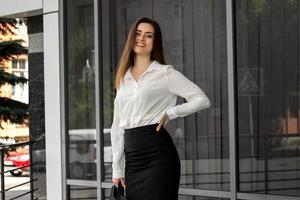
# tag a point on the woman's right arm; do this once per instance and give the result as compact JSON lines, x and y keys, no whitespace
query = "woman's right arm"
{"x":181,"y":86}
{"x":117,"y":143}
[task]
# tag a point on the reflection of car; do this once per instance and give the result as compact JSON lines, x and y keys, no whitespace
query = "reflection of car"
{"x":15,"y":159}
{"x":82,"y":153}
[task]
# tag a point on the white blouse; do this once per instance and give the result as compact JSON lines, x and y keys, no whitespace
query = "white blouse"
{"x":144,"y":102}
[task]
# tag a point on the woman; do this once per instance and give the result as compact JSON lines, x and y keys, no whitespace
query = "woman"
{"x":145,"y":159}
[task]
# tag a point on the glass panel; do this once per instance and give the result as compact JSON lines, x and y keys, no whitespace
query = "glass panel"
{"x":268,"y":96}
{"x":22,"y":64}
{"x":183,"y":197}
{"x":79,"y":192}
{"x":81,"y":90}
{"x":180,"y":197}
{"x":14,"y":64}
{"x":195,"y":43}
{"x":107,"y":194}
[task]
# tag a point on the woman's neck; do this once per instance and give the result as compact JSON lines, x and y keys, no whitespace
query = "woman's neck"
{"x":142,"y":62}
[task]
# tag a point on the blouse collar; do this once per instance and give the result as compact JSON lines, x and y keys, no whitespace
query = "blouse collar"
{"x":153,"y":66}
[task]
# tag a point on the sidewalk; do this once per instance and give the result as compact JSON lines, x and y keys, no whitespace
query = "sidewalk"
{"x":12,"y":181}
{"x":11,"y":194}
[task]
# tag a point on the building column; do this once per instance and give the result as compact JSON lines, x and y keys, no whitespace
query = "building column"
{"x":53,"y":122}
{"x":36,"y":102}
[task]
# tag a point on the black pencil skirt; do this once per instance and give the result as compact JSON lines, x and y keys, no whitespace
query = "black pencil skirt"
{"x":152,"y":165}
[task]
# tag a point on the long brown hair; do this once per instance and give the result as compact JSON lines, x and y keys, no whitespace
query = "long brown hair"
{"x":127,"y":57}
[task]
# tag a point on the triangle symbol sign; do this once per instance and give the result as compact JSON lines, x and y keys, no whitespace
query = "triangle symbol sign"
{"x":248,"y":83}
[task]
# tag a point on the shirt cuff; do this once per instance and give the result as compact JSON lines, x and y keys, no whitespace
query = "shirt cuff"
{"x":118,"y":174}
{"x":171,"y":113}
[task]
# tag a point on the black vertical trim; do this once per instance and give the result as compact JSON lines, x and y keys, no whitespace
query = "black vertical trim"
{"x":66,"y":96}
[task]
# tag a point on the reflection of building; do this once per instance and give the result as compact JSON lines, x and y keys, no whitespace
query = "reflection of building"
{"x":19,"y":92}
{"x":238,"y":149}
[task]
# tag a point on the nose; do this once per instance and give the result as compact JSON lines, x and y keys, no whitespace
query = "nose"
{"x":141,"y":37}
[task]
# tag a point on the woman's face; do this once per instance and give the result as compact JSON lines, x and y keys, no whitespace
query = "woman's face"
{"x":144,"y":39}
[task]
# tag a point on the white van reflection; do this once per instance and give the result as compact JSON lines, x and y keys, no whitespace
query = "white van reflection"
{"x":82,"y":153}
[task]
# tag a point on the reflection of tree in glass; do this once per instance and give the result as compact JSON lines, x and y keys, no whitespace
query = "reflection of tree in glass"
{"x":263,"y":6}
{"x":81,"y":79}
{"x":108,"y":94}
{"x":257,"y":5}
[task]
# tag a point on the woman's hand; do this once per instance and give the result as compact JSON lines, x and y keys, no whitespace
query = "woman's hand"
{"x":117,"y":180}
{"x":163,"y":122}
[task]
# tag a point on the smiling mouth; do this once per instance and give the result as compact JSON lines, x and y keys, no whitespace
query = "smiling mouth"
{"x":140,"y":45}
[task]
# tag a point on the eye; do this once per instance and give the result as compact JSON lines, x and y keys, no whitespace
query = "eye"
{"x":149,"y":36}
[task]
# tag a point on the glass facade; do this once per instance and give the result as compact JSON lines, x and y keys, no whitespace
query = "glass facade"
{"x":195,"y":35}
{"x":182,"y":197}
{"x":268,"y":96}
{"x":201,"y":139}
{"x":80,"y":192}
{"x":80,"y":75}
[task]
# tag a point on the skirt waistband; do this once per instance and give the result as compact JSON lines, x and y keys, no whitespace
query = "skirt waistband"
{"x":142,"y":139}
{"x":150,"y":127}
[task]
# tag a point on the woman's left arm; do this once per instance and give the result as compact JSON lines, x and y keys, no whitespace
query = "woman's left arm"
{"x":181,"y":86}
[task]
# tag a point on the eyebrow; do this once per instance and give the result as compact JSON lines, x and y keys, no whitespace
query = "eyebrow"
{"x":146,"y":32}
